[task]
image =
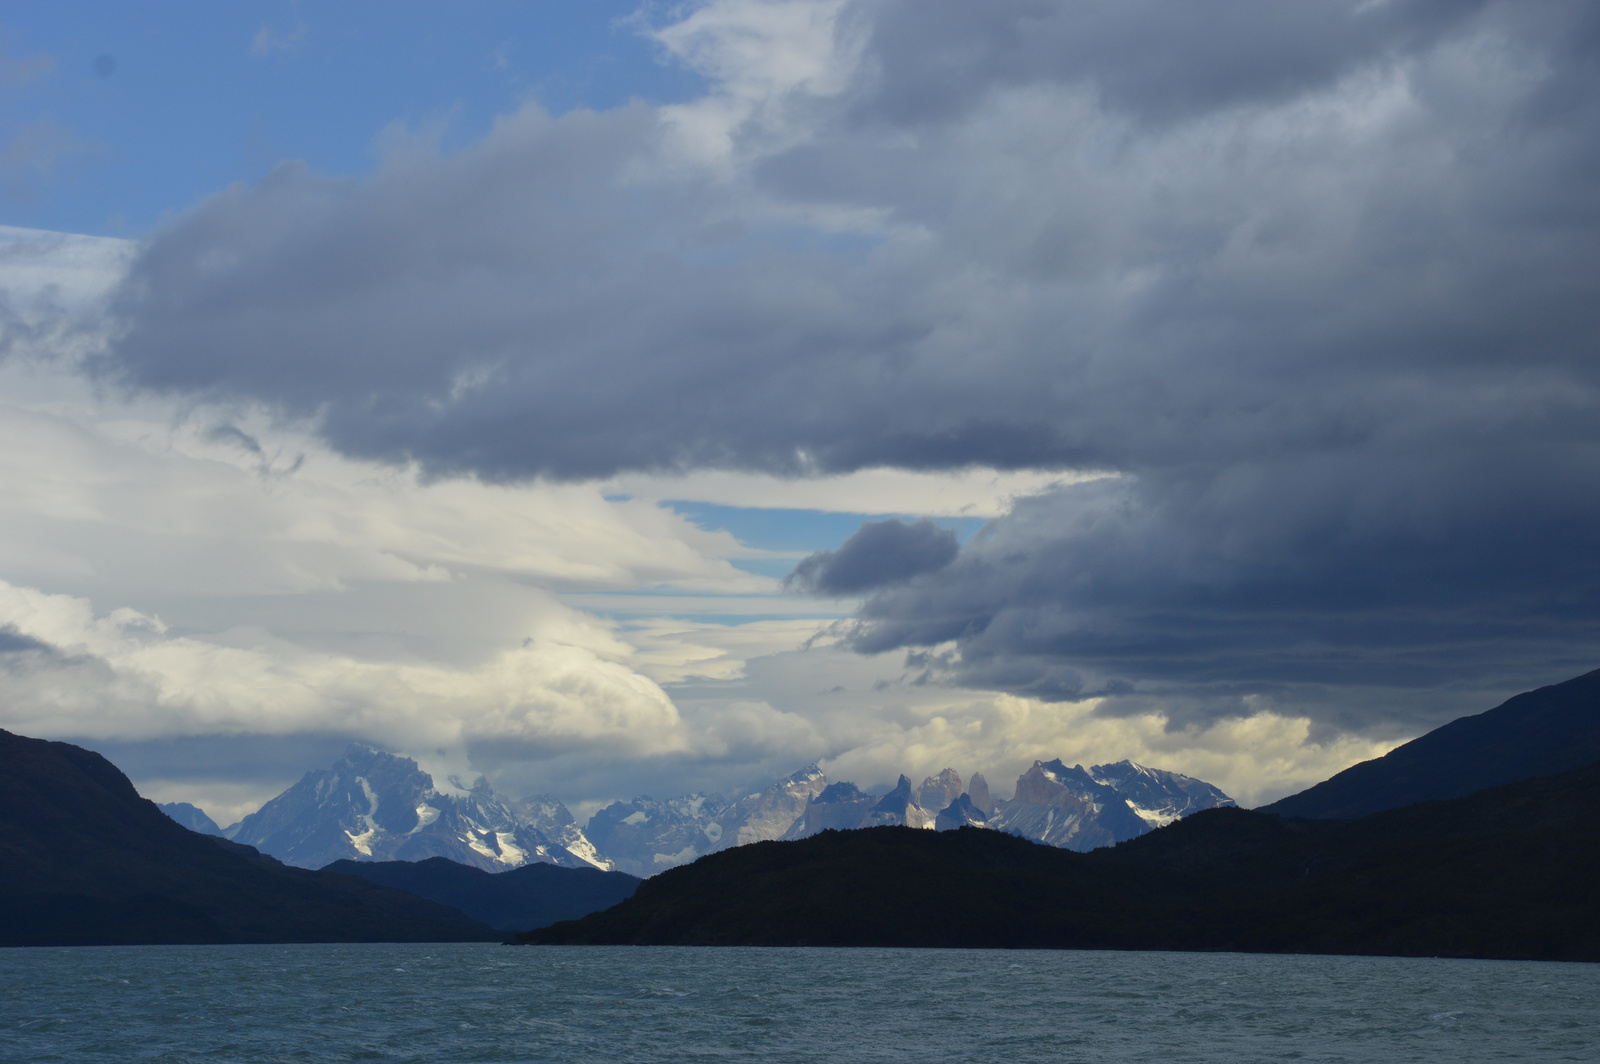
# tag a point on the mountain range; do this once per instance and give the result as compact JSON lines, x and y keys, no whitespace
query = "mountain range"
{"x":373,"y":806}
{"x":1507,"y":872}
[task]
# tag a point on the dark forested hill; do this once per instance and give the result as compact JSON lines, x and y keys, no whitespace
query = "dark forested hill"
{"x":1539,"y":733}
{"x":534,"y":895}
{"x":85,"y":860}
{"x":1508,"y":872}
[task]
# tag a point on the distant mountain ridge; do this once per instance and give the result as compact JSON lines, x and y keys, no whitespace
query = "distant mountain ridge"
{"x":646,"y":836}
{"x":374,"y":806}
{"x":1072,"y":808}
{"x":1539,"y":733}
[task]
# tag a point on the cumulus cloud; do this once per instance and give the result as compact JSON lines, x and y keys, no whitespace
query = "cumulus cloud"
{"x":124,"y":674}
{"x":880,"y":554}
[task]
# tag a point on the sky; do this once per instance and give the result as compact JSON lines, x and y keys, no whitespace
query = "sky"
{"x":615,"y":398}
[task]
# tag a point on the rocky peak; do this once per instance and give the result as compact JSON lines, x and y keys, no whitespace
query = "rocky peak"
{"x":963,"y":812}
{"x":978,"y":791}
{"x":937,"y":792}
{"x":1053,"y":783}
{"x":898,"y":807}
{"x":897,"y":799}
{"x":772,"y":812}
{"x":841,"y":792}
{"x":1159,"y":797}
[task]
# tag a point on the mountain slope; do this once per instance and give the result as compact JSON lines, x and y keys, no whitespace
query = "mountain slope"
{"x":85,"y":860}
{"x":1507,"y":872}
{"x":1539,"y":733}
{"x":534,"y":895}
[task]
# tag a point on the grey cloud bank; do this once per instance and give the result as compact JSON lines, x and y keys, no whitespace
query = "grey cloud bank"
{"x":881,"y":553}
{"x":1318,"y":280}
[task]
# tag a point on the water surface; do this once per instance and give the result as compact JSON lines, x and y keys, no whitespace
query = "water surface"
{"x":549,"y":1003}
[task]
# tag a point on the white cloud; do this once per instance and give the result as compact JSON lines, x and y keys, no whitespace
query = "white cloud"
{"x":1253,"y":759}
{"x":763,"y":57}
{"x":124,"y":675}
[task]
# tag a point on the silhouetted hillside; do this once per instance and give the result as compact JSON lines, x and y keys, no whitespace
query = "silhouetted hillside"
{"x":534,"y":895}
{"x":1508,"y":872}
{"x":1539,"y":733}
{"x":85,"y":860}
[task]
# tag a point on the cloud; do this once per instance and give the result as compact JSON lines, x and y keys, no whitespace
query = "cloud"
{"x":1149,"y":58}
{"x":1369,"y":593}
{"x":125,"y":675}
{"x":880,"y":554}
{"x":971,"y":492}
{"x":1317,"y":282}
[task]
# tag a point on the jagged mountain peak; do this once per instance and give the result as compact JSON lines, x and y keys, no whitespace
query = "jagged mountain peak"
{"x":1158,"y":796}
{"x":937,"y":792}
{"x":1082,"y":809}
{"x":376,"y":805}
{"x":960,"y":813}
{"x":897,"y":799}
{"x":840,"y":792}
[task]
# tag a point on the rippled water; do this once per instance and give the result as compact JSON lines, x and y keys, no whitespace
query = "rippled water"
{"x":498,"y":1003}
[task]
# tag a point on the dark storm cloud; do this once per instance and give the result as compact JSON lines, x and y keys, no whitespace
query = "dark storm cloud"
{"x":1154,"y":58}
{"x":1318,"y":280}
{"x":1354,"y":591}
{"x":880,"y":554}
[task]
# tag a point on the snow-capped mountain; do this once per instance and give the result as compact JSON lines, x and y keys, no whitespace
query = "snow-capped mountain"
{"x":375,"y":806}
{"x":844,"y":807}
{"x":1066,"y":807}
{"x":1082,"y":810}
{"x":768,"y":814}
{"x":838,"y":806}
{"x":646,"y":836}
{"x":1158,"y":796}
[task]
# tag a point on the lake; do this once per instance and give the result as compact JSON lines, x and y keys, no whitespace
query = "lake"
{"x":499,"y":1003}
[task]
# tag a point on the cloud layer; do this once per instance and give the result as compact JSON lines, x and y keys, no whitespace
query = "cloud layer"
{"x":1316,"y":285}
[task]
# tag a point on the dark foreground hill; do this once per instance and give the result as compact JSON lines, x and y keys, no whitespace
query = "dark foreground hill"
{"x":84,"y":860}
{"x":1539,"y":733}
{"x":1509,"y":872}
{"x":534,"y":895}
